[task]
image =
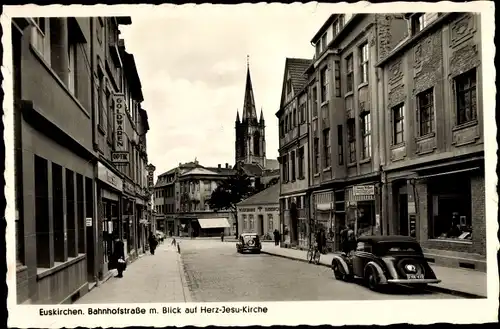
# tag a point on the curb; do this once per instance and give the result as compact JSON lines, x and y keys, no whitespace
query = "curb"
{"x":430,"y":288}
{"x":185,"y":287}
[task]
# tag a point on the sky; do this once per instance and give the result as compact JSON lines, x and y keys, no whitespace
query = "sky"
{"x":192,"y":62}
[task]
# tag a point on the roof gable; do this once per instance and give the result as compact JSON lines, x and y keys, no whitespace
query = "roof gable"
{"x":199,"y":171}
{"x":295,"y":69}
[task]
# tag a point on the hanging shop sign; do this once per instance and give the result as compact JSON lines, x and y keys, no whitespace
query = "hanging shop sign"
{"x":119,"y":108}
{"x":88,"y":221}
{"x":120,"y":157}
{"x":151,"y":171}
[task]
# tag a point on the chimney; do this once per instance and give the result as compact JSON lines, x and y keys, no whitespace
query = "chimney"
{"x":227,"y":165}
{"x":218,"y":166}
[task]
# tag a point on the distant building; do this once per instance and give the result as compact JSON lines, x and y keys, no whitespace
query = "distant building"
{"x":260,"y":212}
{"x":250,"y":144}
{"x":180,"y":201}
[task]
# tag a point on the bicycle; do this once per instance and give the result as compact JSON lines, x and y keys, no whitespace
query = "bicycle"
{"x":313,"y":254}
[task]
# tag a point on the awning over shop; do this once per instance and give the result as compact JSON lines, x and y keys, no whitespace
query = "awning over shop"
{"x":213,"y":222}
{"x":324,"y":206}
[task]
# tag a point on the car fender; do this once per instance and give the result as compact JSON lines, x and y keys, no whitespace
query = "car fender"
{"x":380,"y":271}
{"x":339,"y":259}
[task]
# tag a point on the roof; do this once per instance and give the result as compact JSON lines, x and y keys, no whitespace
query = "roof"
{"x":272,"y":164}
{"x":222,"y":170}
{"x":208,"y":171}
{"x":268,"y":196}
{"x":252,"y":169}
{"x":296,"y":68}
{"x":386,"y":238}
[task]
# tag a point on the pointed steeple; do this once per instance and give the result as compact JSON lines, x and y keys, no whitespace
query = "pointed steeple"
{"x":261,"y":115}
{"x":237,"y":116}
{"x":249,"y":111}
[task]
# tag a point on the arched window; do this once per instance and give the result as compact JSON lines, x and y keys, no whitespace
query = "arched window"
{"x":256,"y":143}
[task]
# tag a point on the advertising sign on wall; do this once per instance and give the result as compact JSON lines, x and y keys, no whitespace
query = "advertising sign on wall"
{"x":120,"y":157}
{"x":119,"y":108}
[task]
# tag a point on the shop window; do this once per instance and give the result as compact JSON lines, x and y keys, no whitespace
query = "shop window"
{"x":270,"y":222}
{"x":365,"y":218}
{"x":425,"y":102}
{"x":245,"y":224}
{"x":450,"y":208}
{"x":251,"y":222}
{"x":70,"y":213}
{"x":42,"y":213}
{"x":465,"y":89}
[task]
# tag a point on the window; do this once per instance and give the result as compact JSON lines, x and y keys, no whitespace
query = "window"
{"x":398,"y":124}
{"x":425,"y":103}
{"x":315,"y":102}
{"x":316,"y":155}
{"x":366,"y":135}
{"x":41,"y":210}
{"x":451,"y":207}
{"x":465,"y":86}
{"x":70,"y":211}
{"x":270,"y":222}
{"x":420,"y":21}
{"x":363,"y":65}
{"x":324,"y":84}
{"x":285,"y":168}
{"x":109,"y":113}
{"x":326,"y":147}
{"x":72,"y":68}
{"x":340,"y":141}
{"x":256,"y":143}
{"x":251,"y":219}
{"x":292,"y":162}
{"x":350,"y":74}
{"x":323,"y":42}
{"x":302,"y":109}
{"x":301,"y":162}
{"x":282,"y":128}
{"x":351,"y":138}
{"x":294,"y":117}
{"x":99,"y":92}
{"x":286,"y":123}
{"x":38,"y":37}
{"x":80,"y":213}
{"x":338,"y":91}
{"x":100,"y":29}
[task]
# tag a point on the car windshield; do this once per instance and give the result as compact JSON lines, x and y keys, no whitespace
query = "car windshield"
{"x":247,"y":238}
{"x":385,"y":248}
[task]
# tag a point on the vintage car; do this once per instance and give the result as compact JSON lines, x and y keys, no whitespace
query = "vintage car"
{"x":248,"y":242}
{"x":382,"y":260}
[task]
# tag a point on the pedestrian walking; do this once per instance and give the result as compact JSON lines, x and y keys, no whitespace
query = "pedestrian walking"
{"x":222,"y":236}
{"x":348,"y":239}
{"x":152,"y":243}
{"x":174,"y":243}
{"x":119,"y":257}
{"x":319,"y":240}
{"x":276,"y":234}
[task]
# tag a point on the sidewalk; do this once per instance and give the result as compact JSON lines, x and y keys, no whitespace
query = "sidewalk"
{"x":468,"y":283}
{"x":149,"y":279}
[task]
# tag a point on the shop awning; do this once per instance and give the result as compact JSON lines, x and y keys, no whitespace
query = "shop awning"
{"x":213,"y":222}
{"x":324,"y":206}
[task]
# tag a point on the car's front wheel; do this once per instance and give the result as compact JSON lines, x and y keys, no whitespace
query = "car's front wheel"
{"x":337,"y":272}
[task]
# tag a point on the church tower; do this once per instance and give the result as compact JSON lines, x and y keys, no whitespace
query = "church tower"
{"x":250,"y":143}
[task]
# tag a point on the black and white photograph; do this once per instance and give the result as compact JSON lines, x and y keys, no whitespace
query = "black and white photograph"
{"x":250,"y":164}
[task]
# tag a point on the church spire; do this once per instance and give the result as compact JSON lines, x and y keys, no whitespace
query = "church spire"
{"x":261,"y":115}
{"x":249,"y":111}
{"x":237,"y":116}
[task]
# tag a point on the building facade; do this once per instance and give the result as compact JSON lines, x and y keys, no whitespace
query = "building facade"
{"x":260,"y":213}
{"x":181,"y":201}
{"x":431,"y":111}
{"x":293,"y":153}
{"x":62,"y":122}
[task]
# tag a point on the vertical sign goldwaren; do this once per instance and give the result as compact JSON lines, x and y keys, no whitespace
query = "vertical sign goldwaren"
{"x":119,"y":101}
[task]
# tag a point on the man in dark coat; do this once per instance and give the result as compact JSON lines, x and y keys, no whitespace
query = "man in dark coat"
{"x":152,"y":243}
{"x":119,"y":257}
{"x":276,"y":234}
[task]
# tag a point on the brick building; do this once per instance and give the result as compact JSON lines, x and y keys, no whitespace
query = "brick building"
{"x":431,"y":112}
{"x":66,"y":72}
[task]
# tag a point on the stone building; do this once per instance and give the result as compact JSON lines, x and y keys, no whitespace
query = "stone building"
{"x":345,"y":135}
{"x":180,"y":201}
{"x":260,"y":213}
{"x":294,"y":152}
{"x":64,"y":78}
{"x":431,"y":113}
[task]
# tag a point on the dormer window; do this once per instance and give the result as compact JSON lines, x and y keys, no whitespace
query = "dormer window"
{"x":323,"y":42}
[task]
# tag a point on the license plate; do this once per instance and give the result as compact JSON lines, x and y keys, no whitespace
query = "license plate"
{"x":415,"y":276}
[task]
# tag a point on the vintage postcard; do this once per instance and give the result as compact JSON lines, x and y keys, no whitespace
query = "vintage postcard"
{"x":252,"y":164}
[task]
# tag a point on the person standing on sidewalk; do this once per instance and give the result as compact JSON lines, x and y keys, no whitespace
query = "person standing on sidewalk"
{"x":152,"y":243}
{"x":119,"y":257}
{"x":276,"y":234}
{"x":222,"y":236}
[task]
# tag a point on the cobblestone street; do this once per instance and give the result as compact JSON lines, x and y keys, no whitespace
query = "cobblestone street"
{"x":215,"y":272}
{"x":150,"y":279}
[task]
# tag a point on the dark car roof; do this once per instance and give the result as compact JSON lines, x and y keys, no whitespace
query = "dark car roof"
{"x":386,"y":238}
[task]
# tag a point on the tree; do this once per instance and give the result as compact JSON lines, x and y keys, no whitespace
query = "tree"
{"x":229,"y":192}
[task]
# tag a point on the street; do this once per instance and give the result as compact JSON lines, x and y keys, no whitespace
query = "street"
{"x":215,"y":272}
